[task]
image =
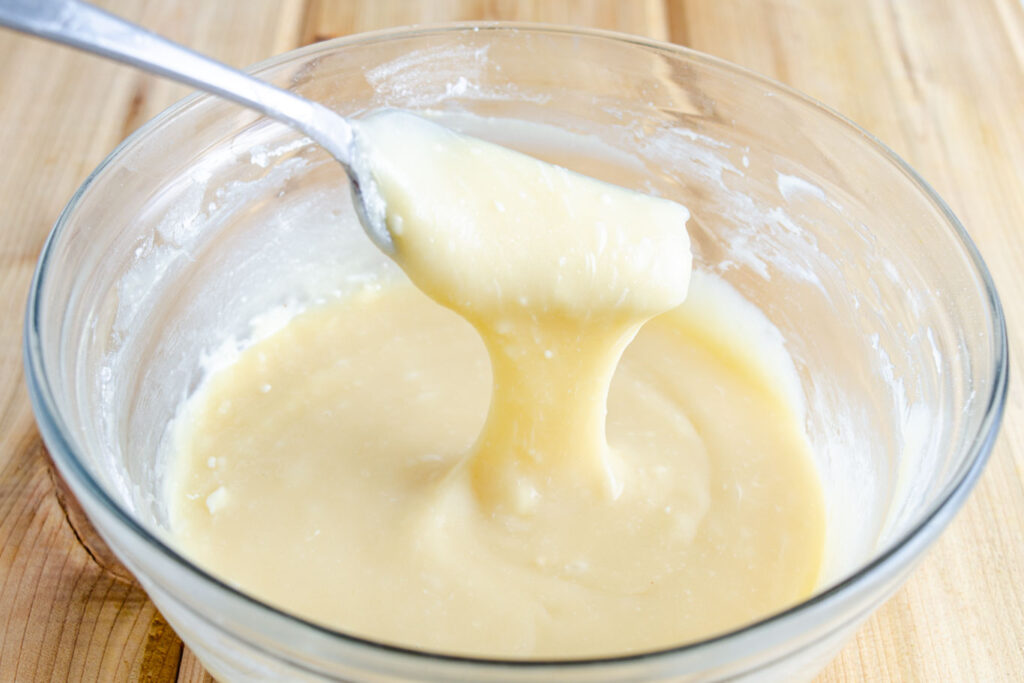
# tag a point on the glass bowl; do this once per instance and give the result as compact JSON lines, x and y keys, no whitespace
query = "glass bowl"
{"x":211,"y":225}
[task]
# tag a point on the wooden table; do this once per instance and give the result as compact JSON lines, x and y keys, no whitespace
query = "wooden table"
{"x":940,"y":81}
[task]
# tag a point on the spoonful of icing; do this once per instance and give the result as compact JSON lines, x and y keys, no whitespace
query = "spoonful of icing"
{"x":556,"y":271}
{"x":89,"y":28}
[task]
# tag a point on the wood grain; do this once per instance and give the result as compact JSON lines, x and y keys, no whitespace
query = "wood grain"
{"x":940,"y":81}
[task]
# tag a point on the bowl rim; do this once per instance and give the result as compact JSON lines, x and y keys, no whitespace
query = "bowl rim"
{"x":898,"y":554}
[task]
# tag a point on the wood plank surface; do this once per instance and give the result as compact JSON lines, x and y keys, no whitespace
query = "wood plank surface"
{"x":940,"y":81}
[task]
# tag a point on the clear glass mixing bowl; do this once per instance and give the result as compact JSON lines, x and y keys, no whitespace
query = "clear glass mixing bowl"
{"x":208,"y":225}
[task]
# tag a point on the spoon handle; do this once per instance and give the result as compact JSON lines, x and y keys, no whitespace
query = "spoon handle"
{"x":91,"y":29}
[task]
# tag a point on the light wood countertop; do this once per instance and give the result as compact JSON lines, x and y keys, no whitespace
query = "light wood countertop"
{"x":939,"y":81}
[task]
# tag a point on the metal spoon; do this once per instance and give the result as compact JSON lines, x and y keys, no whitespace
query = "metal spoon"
{"x":88,"y":28}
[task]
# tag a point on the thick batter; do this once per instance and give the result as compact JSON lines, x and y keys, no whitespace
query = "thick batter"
{"x":387,"y":467}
